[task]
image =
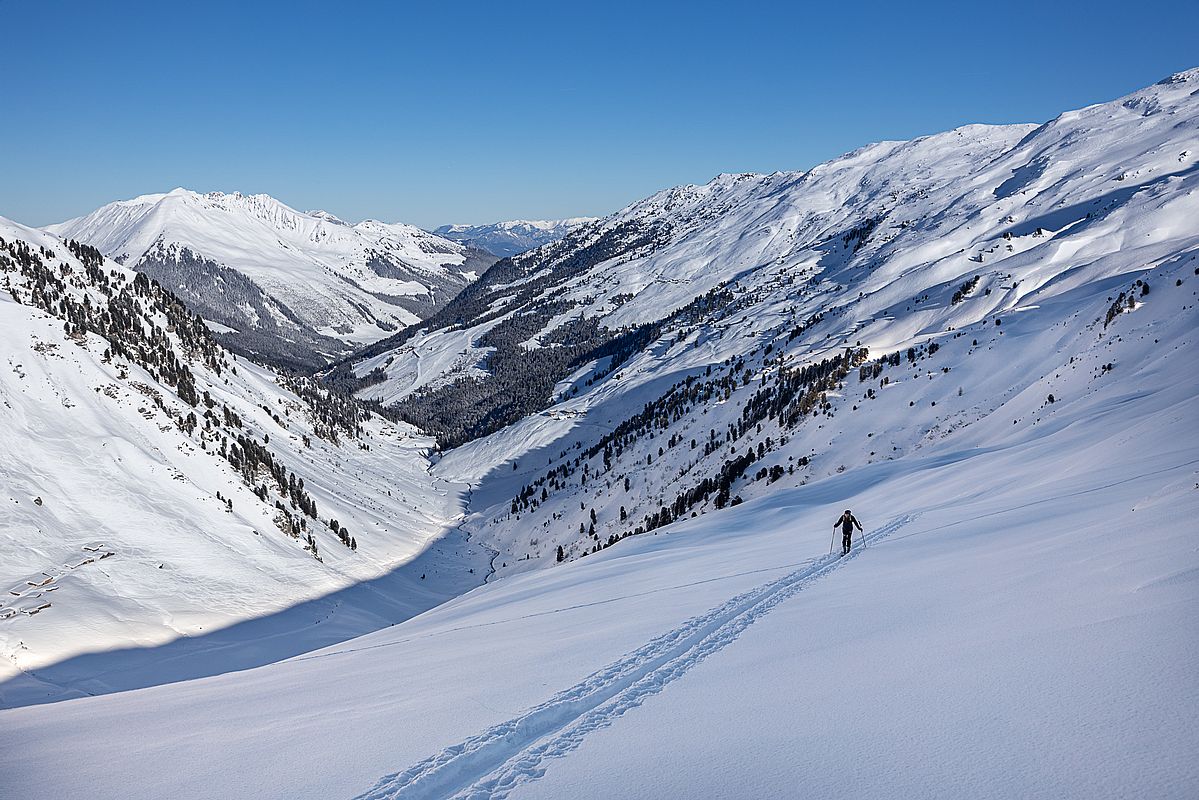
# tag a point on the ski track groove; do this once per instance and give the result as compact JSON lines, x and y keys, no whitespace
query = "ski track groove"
{"x":493,"y":763}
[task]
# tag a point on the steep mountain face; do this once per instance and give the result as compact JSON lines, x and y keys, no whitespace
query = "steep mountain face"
{"x":513,"y":237}
{"x":692,"y":351}
{"x":286,"y":287}
{"x":157,"y":487}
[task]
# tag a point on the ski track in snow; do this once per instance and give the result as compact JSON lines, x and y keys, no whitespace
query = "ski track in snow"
{"x":493,"y":763}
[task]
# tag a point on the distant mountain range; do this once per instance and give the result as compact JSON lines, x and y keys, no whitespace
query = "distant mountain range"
{"x":514,"y":237}
{"x":291,"y":288}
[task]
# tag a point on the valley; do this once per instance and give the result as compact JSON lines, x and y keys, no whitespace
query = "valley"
{"x":307,"y":508}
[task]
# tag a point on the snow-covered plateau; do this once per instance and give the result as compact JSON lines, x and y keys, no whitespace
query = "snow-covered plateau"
{"x":602,"y":518}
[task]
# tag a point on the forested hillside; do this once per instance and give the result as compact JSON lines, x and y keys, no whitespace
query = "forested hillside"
{"x":160,"y":487}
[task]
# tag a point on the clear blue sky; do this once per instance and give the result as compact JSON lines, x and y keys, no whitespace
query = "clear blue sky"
{"x":472,"y":112}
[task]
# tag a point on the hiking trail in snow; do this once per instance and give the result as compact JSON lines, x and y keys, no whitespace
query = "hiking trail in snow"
{"x":491,"y":764}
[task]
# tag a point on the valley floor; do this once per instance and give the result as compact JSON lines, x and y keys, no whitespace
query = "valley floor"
{"x":1030,"y":636}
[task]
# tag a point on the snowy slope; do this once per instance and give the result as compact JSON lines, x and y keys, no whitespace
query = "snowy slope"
{"x":293,"y":287}
{"x":126,"y":522}
{"x":513,"y":236}
{"x":1019,"y":625}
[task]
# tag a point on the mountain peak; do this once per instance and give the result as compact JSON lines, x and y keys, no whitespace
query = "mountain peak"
{"x":305,"y":287}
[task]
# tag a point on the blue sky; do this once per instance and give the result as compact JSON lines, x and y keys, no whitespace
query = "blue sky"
{"x":463,"y":112}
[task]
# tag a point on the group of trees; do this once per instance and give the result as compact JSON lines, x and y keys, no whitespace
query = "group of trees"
{"x":785,"y":394}
{"x":779,"y":395}
{"x":343,"y":534}
{"x":1125,"y":301}
{"x":520,"y":380}
{"x":964,"y":290}
{"x":142,"y":322}
{"x":792,"y":395}
{"x":858,"y":235}
{"x":331,"y":412}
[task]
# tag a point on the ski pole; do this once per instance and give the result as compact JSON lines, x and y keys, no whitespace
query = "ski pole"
{"x":833,"y":543}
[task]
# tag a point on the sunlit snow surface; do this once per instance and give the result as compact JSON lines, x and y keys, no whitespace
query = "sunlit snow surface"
{"x":1063,"y":216}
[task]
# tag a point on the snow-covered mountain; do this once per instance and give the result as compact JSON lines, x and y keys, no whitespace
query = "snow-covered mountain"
{"x":513,"y":237}
{"x":981,"y":341}
{"x":692,"y":349}
{"x":157,"y":487}
{"x":285,"y":286}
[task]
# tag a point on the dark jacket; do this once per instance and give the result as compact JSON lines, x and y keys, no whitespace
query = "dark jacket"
{"x":847,"y":523}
